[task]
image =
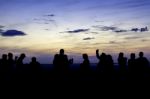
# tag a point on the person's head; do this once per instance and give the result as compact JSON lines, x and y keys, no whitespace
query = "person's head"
{"x":22,"y":56}
{"x":62,"y":51}
{"x":85,"y":56}
{"x":10,"y":55}
{"x":33,"y":59}
{"x":4,"y":56}
{"x":132,"y":56}
{"x":141,"y":54}
{"x":121,"y":55}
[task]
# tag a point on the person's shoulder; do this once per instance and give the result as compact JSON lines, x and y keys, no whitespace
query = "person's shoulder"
{"x":56,"y":54}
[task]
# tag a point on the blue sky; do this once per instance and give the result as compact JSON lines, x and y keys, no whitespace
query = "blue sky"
{"x":78,"y":26}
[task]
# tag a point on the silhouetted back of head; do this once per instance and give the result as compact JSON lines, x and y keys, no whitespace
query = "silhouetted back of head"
{"x":132,"y":55}
{"x":121,"y":55}
{"x":62,"y":51}
{"x":85,"y":56}
{"x":141,"y":54}
{"x":22,"y":56}
{"x":10,"y":56}
{"x":4,"y":57}
{"x":33,"y":59}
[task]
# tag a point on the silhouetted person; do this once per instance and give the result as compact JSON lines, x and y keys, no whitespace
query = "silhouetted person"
{"x":132,"y":63}
{"x":142,"y":64}
{"x":3,"y":63}
{"x":3,"y":67}
{"x":122,"y":61}
{"x":19,"y":63}
{"x":11,"y":61}
{"x":61,"y":63}
{"x":85,"y":66}
{"x":35,"y":65}
{"x":35,"y":68}
{"x":109,"y":68}
{"x":102,"y":61}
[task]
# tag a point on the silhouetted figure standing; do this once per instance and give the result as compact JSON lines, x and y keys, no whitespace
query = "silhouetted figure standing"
{"x":11,"y":62}
{"x":132,"y":63}
{"x":19,"y":63}
{"x":85,"y":66}
{"x":102,"y":61}
{"x":35,"y":68}
{"x":35,"y":65}
{"x":3,"y":63}
{"x":109,"y":68}
{"x":61,"y":63}
{"x":122,"y":61}
{"x":3,"y":67}
{"x":142,"y":65}
{"x":20,"y":66}
{"x":10,"y":67}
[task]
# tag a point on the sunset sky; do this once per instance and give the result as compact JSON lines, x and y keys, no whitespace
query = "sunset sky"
{"x":41,"y":27}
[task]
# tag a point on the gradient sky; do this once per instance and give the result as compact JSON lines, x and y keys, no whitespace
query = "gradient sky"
{"x":78,"y":26}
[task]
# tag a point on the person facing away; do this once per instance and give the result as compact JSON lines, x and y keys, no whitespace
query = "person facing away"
{"x":85,"y":66}
{"x":132,"y":63}
{"x":11,"y":61}
{"x":122,"y":61}
{"x":142,"y":63}
{"x":109,"y":68}
{"x":35,"y":65}
{"x":61,"y":61}
{"x":3,"y":63}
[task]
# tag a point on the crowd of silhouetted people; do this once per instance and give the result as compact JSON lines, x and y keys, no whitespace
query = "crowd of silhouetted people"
{"x":135,"y":68}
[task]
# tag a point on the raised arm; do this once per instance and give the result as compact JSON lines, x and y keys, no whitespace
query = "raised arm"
{"x":97,"y":54}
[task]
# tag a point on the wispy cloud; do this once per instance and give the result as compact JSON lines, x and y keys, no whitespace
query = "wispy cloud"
{"x":50,"y":15}
{"x":133,"y":37}
{"x":88,"y":38}
{"x":78,"y":31}
{"x":1,"y":31}
{"x":12,"y":33}
{"x":105,"y":28}
{"x":119,"y":30}
{"x":1,"y":26}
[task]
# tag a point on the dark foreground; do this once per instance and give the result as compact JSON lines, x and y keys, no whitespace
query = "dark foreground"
{"x":46,"y":73}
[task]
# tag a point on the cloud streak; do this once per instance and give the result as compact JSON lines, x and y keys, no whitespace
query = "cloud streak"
{"x":88,"y":38}
{"x":118,"y":30}
{"x":78,"y":31}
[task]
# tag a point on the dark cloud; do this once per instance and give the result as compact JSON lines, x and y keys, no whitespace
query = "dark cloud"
{"x":50,"y":15}
{"x":119,"y":31}
{"x":134,"y":29}
{"x":140,"y":29}
{"x":11,"y":33}
{"x":78,"y":31}
{"x":89,"y":38}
